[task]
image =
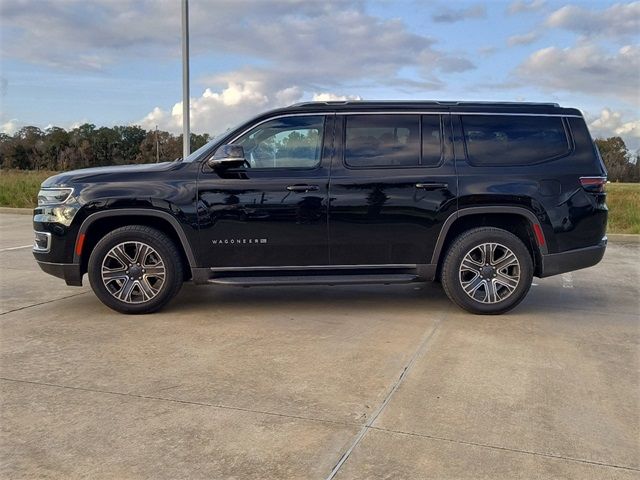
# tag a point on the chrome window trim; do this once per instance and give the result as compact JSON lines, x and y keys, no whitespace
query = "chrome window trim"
{"x":418,"y":112}
{"x":518,"y":114}
{"x":42,"y":250}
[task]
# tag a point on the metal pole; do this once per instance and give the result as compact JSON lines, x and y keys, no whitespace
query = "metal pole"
{"x":186,"y":134}
{"x":157,"y":146}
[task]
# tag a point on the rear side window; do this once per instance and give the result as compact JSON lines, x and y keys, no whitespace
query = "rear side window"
{"x":382,"y":140}
{"x":513,"y":140}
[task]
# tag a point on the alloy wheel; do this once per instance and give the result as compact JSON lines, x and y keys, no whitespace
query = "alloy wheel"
{"x":133,"y":272}
{"x":489,"y":273}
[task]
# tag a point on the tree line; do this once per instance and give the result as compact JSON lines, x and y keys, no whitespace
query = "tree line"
{"x":621,"y":165}
{"x":57,"y":149}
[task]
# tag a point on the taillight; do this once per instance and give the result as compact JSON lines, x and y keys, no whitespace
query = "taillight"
{"x":593,"y":184}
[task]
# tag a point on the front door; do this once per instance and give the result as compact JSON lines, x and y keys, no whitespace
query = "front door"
{"x":273,"y":211}
{"x":393,"y":184}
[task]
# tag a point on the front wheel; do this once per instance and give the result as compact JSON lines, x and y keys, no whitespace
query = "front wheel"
{"x":135,"y":269}
{"x":487,"y":271}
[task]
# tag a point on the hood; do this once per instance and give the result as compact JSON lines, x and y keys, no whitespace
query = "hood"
{"x":93,"y":174}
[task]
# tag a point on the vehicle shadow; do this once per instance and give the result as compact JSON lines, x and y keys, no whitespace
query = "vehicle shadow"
{"x":388,"y":299}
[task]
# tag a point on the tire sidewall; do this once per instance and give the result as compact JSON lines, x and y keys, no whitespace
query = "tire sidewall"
{"x":462,"y":246}
{"x":173,"y":270}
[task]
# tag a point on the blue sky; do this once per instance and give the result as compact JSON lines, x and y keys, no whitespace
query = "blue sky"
{"x":111,"y":62}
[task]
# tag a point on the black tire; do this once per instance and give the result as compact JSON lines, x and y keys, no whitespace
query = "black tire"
{"x":493,"y":288}
{"x":162,"y":264}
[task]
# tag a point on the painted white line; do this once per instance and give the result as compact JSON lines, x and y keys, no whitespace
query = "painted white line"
{"x":16,"y":248}
{"x":567,"y":280}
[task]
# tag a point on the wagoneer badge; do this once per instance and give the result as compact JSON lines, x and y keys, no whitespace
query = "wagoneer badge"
{"x":238,"y":241}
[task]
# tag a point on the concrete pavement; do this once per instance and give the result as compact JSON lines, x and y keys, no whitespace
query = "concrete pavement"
{"x":317,"y":382}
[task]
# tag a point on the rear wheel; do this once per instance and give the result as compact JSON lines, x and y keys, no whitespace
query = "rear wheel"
{"x":487,"y":271}
{"x":135,"y":269}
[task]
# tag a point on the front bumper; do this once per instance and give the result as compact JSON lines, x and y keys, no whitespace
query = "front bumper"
{"x":556,"y":263}
{"x":69,"y":272}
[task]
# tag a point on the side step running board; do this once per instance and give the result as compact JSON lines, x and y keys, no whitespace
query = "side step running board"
{"x":247,"y":281}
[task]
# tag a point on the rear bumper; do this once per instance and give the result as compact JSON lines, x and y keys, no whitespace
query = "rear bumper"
{"x":69,"y":272}
{"x":556,"y":263}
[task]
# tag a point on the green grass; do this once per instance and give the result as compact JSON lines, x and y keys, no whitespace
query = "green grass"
{"x":20,"y":189}
{"x":623,"y":200}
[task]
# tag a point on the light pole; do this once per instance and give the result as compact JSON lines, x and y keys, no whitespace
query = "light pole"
{"x":186,"y":134}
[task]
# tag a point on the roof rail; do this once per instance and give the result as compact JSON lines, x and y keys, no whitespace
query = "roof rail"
{"x":327,"y":102}
{"x":421,"y":102}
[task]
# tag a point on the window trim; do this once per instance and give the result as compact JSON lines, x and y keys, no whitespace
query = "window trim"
{"x":567,"y":136}
{"x":396,"y":167}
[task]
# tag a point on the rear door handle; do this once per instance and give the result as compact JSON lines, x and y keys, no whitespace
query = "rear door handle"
{"x":432,"y":186}
{"x":303,"y":188}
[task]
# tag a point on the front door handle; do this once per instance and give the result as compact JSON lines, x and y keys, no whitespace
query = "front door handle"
{"x":432,"y":186}
{"x":303,"y":188}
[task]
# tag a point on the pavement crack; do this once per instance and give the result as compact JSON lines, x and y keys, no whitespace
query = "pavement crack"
{"x":422,"y":348}
{"x":9,"y":249}
{"x":184,"y":402}
{"x":42,"y":303}
{"x":507,"y":449}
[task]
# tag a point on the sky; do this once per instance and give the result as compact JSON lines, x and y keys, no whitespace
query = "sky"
{"x":117,"y":62}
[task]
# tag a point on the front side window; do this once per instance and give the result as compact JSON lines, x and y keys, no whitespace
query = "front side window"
{"x":382,"y":140}
{"x":288,"y":142}
{"x":513,"y":140}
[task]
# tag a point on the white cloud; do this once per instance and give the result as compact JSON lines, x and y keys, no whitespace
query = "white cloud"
{"x":525,"y":39}
{"x":452,"y":15}
{"x":522,"y":6}
{"x":586,"y":68}
{"x":215,"y":112}
{"x":332,"y":97}
{"x":618,"y":20}
{"x":611,"y":123}
{"x":11,"y":126}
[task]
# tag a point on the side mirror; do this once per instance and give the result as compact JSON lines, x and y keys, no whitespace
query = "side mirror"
{"x":227,"y":156}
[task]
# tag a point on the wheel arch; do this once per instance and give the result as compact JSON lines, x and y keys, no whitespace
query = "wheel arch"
{"x":518,"y":220}
{"x":98,"y":224}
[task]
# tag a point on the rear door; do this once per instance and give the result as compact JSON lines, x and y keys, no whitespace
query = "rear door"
{"x":393,"y":184}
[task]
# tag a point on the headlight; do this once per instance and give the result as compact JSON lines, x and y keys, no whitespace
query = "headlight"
{"x":53,"y":196}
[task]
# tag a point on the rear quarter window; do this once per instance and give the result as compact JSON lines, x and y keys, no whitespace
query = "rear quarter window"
{"x":514,"y":140}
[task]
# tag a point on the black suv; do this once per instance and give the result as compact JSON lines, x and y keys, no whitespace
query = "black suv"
{"x":481,"y":196}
